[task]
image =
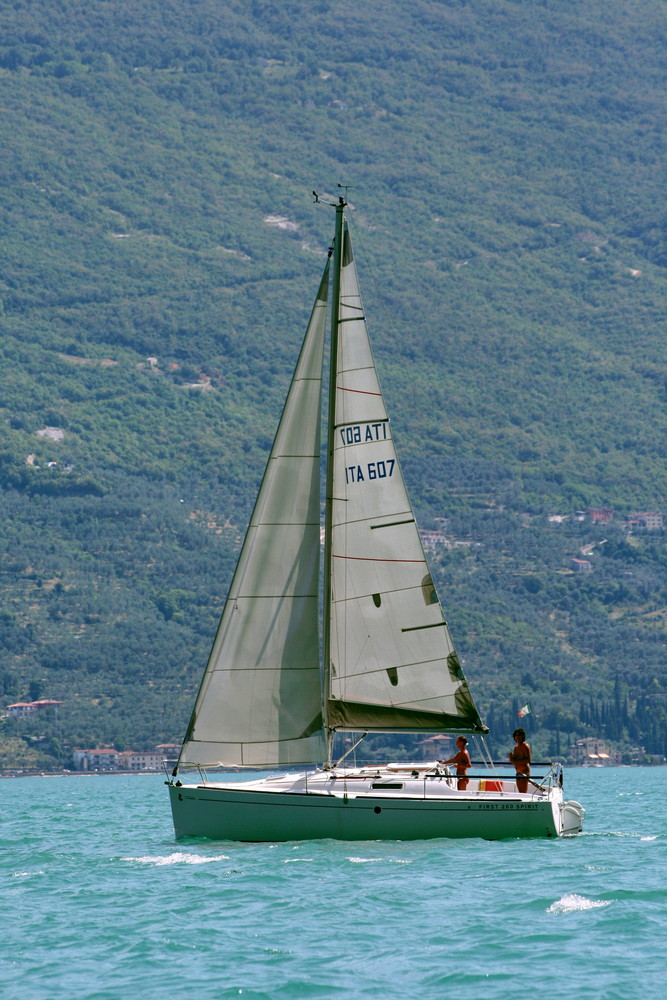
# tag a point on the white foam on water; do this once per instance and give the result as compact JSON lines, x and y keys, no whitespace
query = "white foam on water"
{"x":573,"y":903}
{"x":178,"y":858}
{"x":389,"y":861}
{"x":654,"y":837}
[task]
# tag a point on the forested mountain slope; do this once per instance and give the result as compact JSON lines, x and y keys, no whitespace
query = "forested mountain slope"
{"x":161,"y":250}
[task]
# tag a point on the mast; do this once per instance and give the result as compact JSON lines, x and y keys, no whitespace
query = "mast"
{"x":328,"y":515}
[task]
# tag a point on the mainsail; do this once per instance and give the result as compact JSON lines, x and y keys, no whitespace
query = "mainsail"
{"x":391,"y":662}
{"x":260,"y":700}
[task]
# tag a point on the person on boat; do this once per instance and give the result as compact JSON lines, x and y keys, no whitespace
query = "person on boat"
{"x":462,"y":761}
{"x":520,"y":757}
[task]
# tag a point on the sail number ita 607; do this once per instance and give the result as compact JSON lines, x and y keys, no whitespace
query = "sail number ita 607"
{"x":373,"y":470}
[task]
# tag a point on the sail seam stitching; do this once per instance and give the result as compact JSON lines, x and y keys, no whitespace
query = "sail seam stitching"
{"x":362,"y":392}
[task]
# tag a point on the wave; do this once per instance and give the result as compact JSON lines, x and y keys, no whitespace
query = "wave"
{"x":621,"y":834}
{"x":388,"y":861}
{"x":573,"y":903}
{"x":178,"y":858}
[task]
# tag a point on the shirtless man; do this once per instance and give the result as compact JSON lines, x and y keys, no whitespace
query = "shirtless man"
{"x":520,"y":757}
{"x":462,"y":761}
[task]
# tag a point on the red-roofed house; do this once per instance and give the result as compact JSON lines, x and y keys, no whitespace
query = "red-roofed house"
{"x":20,"y":709}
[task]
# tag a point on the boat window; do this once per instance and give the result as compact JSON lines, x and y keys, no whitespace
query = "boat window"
{"x":387,"y":784}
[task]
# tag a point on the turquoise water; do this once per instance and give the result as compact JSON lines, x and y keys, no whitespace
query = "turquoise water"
{"x":101,"y":903}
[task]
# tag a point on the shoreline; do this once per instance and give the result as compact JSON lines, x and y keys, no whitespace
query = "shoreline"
{"x":34,"y":773}
{"x":64,"y":773}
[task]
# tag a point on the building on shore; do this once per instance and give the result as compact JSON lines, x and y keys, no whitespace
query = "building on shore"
{"x":594,"y":752}
{"x":109,"y":759}
{"x":100,"y":759}
{"x":140,"y":760}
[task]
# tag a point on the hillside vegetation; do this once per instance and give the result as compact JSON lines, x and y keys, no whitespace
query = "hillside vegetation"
{"x":161,"y":251}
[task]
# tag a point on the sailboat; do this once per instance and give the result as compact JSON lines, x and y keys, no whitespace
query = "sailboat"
{"x":291,"y":668}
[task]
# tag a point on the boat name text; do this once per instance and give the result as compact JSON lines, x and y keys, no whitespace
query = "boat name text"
{"x":505,"y":805}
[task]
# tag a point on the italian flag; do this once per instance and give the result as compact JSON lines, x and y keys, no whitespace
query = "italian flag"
{"x":523,"y":711}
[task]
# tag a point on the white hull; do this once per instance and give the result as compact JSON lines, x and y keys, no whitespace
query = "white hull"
{"x":384,"y":804}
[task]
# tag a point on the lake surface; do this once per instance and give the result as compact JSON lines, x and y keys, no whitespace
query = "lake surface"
{"x":101,"y":903}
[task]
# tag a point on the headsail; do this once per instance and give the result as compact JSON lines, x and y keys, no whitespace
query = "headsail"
{"x":260,"y":700}
{"x":392,"y":663}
